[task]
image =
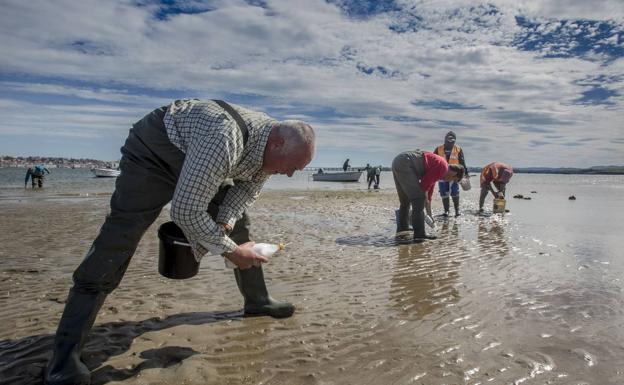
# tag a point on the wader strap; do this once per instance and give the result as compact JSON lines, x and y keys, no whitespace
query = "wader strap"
{"x":239,"y":121}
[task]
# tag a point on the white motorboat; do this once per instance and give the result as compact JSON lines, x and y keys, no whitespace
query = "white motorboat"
{"x":105,"y":172}
{"x":343,"y":176}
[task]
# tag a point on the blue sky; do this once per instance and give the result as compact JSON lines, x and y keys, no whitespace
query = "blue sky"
{"x":528,"y":82}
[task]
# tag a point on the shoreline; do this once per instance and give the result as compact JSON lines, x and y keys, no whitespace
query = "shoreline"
{"x":594,"y":170}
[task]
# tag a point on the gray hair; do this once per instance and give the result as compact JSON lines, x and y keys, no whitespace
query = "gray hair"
{"x":296,"y":135}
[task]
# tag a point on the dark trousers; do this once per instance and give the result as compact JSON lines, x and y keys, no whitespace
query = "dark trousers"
{"x":407,"y":169}
{"x":150,"y":167}
{"x":482,"y":195}
{"x":37,"y":180}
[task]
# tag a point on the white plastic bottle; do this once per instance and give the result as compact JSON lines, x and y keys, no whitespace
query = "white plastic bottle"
{"x":267,"y":249}
{"x":430,"y":221}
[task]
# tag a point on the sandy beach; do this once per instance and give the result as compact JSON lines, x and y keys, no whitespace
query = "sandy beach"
{"x":493,"y":300}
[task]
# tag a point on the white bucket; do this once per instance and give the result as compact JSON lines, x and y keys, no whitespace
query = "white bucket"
{"x":465,"y":183}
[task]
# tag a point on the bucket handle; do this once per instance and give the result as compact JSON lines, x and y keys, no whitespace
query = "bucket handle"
{"x":181,"y":243}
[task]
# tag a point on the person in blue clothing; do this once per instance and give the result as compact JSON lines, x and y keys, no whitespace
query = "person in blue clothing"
{"x":36,"y":175}
{"x":453,"y":155}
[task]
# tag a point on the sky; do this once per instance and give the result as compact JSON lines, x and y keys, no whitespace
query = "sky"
{"x":526,"y":82}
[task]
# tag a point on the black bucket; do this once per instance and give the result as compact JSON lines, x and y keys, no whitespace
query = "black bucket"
{"x":175,"y":255}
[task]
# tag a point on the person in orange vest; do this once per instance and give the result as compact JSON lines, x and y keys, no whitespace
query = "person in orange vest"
{"x":453,"y":155}
{"x":495,"y":173}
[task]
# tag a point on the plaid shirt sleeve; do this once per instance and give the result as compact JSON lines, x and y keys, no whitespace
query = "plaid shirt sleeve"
{"x":208,"y":161}
{"x":238,"y":199}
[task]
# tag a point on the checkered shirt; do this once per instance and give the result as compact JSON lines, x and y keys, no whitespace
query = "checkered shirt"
{"x":214,"y":152}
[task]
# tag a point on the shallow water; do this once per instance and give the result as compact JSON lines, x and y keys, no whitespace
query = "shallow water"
{"x":532,"y":296}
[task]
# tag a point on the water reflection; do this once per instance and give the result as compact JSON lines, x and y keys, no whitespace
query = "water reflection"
{"x":448,"y":229}
{"x":491,"y":237}
{"x":424,"y":278}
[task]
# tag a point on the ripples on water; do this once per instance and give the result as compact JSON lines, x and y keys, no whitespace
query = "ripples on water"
{"x":501,"y":298}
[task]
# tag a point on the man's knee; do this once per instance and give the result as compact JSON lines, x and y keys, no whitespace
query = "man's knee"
{"x":418,"y":204}
{"x":85,"y":287}
{"x":107,"y":260}
{"x":90,"y":285}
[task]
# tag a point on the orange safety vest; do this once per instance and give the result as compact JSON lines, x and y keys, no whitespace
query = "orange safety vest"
{"x":489,"y":173}
{"x":454,"y":158}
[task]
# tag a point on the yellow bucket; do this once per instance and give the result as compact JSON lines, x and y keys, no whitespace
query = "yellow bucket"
{"x":499,"y":205}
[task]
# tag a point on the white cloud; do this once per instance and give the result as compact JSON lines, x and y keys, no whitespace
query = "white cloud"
{"x":573,"y":9}
{"x":302,"y":56}
{"x":87,"y":93}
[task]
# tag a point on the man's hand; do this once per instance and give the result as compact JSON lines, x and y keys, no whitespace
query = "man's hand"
{"x":244,"y":257}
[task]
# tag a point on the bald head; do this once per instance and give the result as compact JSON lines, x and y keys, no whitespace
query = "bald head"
{"x":290,"y":147}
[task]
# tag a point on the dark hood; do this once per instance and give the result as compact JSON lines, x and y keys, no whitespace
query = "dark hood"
{"x":449,"y":139}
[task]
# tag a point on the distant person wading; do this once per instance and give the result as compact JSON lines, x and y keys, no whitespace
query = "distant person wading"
{"x":36,"y":174}
{"x":377,"y":176}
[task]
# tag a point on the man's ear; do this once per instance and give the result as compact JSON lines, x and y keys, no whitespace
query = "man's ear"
{"x":277,"y":143}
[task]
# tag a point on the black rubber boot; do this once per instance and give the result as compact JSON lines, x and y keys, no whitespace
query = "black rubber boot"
{"x":258,"y":302}
{"x":66,"y":367}
{"x":456,"y":205}
{"x":446,"y":204}
{"x":424,"y":238}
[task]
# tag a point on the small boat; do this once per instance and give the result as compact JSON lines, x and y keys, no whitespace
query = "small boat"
{"x":346,"y":176}
{"x":105,"y":172}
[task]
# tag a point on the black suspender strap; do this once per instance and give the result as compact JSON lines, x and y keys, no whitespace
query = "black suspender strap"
{"x":239,"y":121}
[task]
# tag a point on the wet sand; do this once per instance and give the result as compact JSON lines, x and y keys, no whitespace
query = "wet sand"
{"x":487,"y":302}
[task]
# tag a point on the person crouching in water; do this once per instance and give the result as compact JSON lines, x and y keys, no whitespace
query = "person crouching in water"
{"x":453,"y":155}
{"x":496,"y":173}
{"x":415,"y":174}
{"x":36,"y":174}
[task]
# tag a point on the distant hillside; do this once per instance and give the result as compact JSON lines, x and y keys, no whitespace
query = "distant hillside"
{"x":59,"y":162}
